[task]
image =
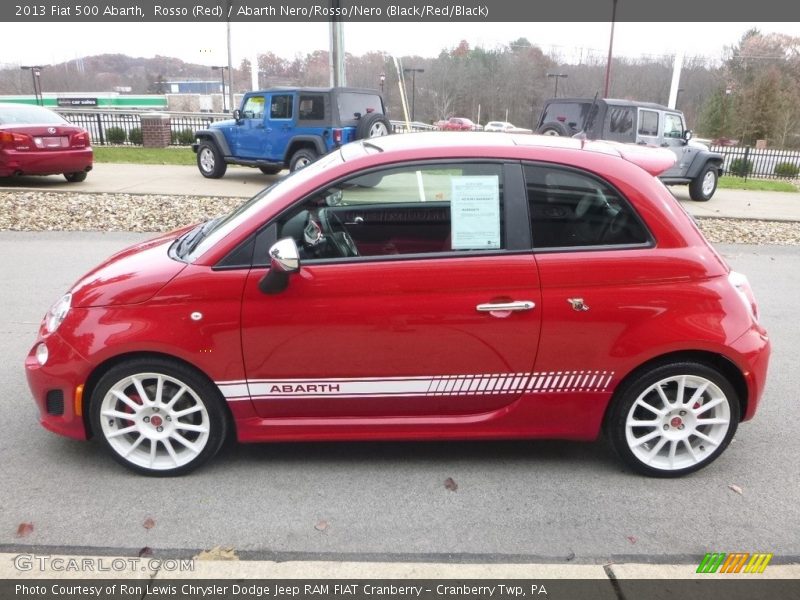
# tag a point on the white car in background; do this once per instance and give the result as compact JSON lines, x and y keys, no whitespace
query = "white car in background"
{"x":505,"y":127}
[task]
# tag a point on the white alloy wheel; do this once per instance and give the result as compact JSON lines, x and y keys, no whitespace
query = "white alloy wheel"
{"x":678,"y":422}
{"x":673,"y":419}
{"x":158,"y":417}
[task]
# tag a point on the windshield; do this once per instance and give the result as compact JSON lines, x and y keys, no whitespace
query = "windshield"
{"x":230,"y":222}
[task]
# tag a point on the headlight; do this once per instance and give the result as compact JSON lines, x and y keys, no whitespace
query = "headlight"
{"x":57,"y":313}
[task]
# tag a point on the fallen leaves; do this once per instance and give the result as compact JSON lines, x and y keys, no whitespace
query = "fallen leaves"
{"x":736,"y":489}
{"x":450,"y":484}
{"x":218,"y":553}
{"x":149,"y":523}
{"x":321,"y":526}
{"x":632,"y":539}
{"x":146,"y":552}
{"x":24,"y":530}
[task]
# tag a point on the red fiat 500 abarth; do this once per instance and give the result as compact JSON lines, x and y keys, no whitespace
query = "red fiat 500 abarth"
{"x":420,"y":286}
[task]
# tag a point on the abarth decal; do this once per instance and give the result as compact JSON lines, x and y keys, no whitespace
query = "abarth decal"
{"x":439,"y":385}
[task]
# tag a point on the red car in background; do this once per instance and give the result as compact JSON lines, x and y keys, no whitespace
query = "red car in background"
{"x":458,"y":124}
{"x":37,"y":141}
{"x":421,"y":286}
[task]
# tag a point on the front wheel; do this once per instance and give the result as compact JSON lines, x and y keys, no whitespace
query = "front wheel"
{"x":158,"y":417}
{"x":702,"y":187}
{"x":673,"y":419}
{"x":210,"y":161}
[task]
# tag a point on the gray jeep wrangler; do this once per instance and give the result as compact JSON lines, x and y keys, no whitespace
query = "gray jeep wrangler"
{"x":289,"y":127}
{"x":640,"y":123}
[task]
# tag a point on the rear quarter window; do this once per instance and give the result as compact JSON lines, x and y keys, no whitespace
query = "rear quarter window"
{"x":351,"y":103}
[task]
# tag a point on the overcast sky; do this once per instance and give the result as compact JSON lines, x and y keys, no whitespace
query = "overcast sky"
{"x":205,"y":43}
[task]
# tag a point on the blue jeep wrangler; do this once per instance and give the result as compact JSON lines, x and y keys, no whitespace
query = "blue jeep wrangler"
{"x":287,"y":127}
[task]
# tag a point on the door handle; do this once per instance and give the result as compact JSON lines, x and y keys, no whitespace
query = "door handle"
{"x":516,"y":306}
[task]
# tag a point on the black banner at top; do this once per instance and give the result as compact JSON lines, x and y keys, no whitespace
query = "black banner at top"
{"x":400,"y":10}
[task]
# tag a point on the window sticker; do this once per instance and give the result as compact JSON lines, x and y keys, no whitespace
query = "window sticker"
{"x":475,"y":213}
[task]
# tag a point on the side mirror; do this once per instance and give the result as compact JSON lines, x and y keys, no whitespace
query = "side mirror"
{"x":284,"y":259}
{"x":688,"y":134}
{"x":237,"y":114}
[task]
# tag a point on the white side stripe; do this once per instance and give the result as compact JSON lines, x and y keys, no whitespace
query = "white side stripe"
{"x":438,"y":385}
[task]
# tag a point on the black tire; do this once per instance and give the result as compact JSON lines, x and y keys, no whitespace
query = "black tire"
{"x":673,"y":446}
{"x":552,"y":129}
{"x":270,"y":170}
{"x":210,"y":160}
{"x":75,"y":177}
{"x":372,"y":125}
{"x":302,"y":158}
{"x":153,"y":445}
{"x":702,"y":187}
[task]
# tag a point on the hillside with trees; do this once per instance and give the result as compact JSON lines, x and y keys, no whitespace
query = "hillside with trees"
{"x":750,"y":93}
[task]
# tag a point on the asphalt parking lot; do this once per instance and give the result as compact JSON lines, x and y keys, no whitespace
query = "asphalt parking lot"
{"x":540,"y":501}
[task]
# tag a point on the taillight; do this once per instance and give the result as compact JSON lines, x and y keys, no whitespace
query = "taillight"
{"x":80,"y":140}
{"x":337,"y":136}
{"x":745,"y":292}
{"x":15,"y":141}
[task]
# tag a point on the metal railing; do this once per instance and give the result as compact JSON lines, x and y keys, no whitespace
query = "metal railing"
{"x":745,"y":161}
{"x":116,"y":127}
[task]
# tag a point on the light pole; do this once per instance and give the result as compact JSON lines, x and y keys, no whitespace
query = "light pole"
{"x":382,"y":80}
{"x":222,"y":71}
{"x":413,"y":87}
{"x":557,"y":76}
{"x":36,"y":72}
{"x":610,"y":49}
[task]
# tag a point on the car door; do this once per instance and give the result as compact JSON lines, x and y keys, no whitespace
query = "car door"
{"x":413,"y":298}
{"x":250,"y":131}
{"x":673,"y":138}
{"x":599,"y":277}
{"x":279,"y":125}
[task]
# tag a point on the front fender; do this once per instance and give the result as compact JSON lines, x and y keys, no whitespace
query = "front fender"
{"x":214,"y":135}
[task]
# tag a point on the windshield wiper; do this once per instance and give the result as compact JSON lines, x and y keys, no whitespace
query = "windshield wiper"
{"x":192,"y":238}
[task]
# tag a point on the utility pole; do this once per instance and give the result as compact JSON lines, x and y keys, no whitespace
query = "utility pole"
{"x":36,"y":72}
{"x":610,"y":49}
{"x":413,"y":88}
{"x":557,"y":76}
{"x":337,"y":68}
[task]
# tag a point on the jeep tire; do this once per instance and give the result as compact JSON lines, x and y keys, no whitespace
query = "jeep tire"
{"x":702,"y":187}
{"x":552,"y":129}
{"x":372,"y":125}
{"x":302,"y":158}
{"x":210,"y":160}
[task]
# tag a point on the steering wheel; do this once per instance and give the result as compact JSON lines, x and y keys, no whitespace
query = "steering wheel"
{"x":336,"y":232}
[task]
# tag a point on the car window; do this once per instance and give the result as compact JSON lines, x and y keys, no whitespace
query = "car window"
{"x":571,"y":114}
{"x":619,"y":124}
{"x":254,"y":107}
{"x":27,"y":115}
{"x":429,"y":209}
{"x":571,"y":209}
{"x":281,"y":106}
{"x":673,"y":126}
{"x":648,"y":122}
{"x":311,"y":107}
{"x":351,"y":104}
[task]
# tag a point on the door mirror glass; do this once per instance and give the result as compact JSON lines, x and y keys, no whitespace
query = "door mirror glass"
{"x":688,"y":134}
{"x":237,"y":114}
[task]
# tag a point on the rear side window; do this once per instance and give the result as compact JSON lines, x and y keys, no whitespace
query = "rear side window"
{"x":281,"y":106}
{"x":571,"y":209}
{"x":619,"y":124}
{"x":311,"y":107}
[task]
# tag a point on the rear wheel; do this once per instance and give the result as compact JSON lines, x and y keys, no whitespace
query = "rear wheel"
{"x":76,"y":177}
{"x":673,"y":419}
{"x":702,"y":187}
{"x":210,"y":161}
{"x":302,"y":158}
{"x":158,"y":417}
